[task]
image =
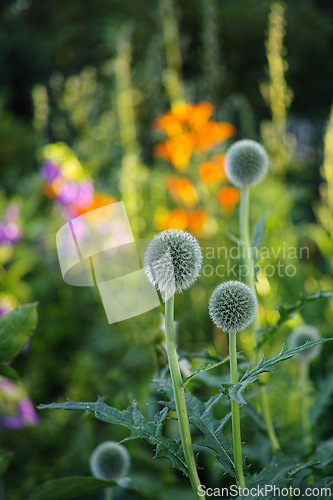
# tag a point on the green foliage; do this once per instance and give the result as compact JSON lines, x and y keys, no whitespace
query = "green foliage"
{"x":265,"y":365}
{"x":16,"y":328}
{"x":134,"y":420}
{"x":201,"y":415}
{"x":203,"y":369}
{"x":69,"y":487}
{"x":286,"y":312}
{"x":322,"y":400}
{"x":257,"y":233}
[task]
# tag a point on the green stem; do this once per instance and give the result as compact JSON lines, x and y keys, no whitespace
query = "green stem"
{"x":236,"y":431}
{"x":244,"y":211}
{"x":303,"y":395}
{"x":179,"y":394}
{"x":108,"y":493}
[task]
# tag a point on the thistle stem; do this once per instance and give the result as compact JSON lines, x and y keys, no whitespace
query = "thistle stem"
{"x":179,"y":394}
{"x":244,"y":210}
{"x":303,"y":395}
{"x":236,"y":431}
{"x":108,"y":494}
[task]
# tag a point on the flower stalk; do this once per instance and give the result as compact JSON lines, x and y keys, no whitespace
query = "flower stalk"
{"x":303,"y":400}
{"x":236,"y":430}
{"x":179,"y":395}
{"x":108,"y":493}
{"x":247,"y":252}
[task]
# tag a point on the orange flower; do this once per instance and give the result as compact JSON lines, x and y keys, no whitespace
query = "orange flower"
{"x":228,"y":197}
{"x":213,"y":171}
{"x":99,"y":200}
{"x":189,"y":129}
{"x":177,"y":151}
{"x":175,"y":219}
{"x":182,"y":189}
{"x":183,"y":117}
{"x":196,"y":221}
{"x":212,"y":133}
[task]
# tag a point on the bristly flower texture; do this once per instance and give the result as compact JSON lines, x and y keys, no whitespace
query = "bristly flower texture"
{"x":172,"y":261}
{"x":232,"y":306}
{"x":301,"y":335}
{"x":246,"y":163}
{"x":109,"y":461}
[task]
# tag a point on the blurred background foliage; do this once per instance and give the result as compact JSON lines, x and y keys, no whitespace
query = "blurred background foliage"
{"x":83,"y":85}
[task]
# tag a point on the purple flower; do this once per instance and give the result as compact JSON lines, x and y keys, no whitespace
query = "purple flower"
{"x":4,"y":308}
{"x":85,"y":194}
{"x":16,"y":407}
{"x":50,"y":171}
{"x":10,"y":230}
{"x":13,"y":233}
{"x":12,"y":212}
{"x":68,"y":194}
{"x":25,"y":416}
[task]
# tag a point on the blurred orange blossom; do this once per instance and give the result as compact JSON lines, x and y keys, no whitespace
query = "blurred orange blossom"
{"x":179,"y":218}
{"x":182,"y":189}
{"x":189,"y":129}
{"x":228,"y":197}
{"x":213,"y":170}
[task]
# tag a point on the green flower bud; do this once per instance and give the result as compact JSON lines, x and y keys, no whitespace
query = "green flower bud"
{"x":172,"y":261}
{"x":300,"y":336}
{"x":246,"y":163}
{"x":232,"y":306}
{"x":109,"y":461}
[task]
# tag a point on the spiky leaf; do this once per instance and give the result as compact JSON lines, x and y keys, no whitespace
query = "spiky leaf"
{"x":133,"y":419}
{"x":201,"y":415}
{"x":258,"y":231}
{"x":286,"y":312}
{"x":323,"y":399}
{"x":265,"y":365}
{"x":204,"y":369}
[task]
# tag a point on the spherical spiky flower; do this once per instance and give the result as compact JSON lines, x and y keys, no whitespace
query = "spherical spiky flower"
{"x":300,"y":336}
{"x":173,"y":261}
{"x":232,"y":306}
{"x":109,"y":461}
{"x":246,"y":163}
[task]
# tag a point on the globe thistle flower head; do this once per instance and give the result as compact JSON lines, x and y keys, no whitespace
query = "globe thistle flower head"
{"x":109,"y":461}
{"x":232,"y":306}
{"x":246,"y":163}
{"x":173,"y":261}
{"x":300,"y":336}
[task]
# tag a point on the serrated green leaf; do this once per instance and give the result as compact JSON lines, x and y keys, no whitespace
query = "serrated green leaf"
{"x":265,"y":365}
{"x":201,"y":415}
{"x":67,"y":488}
{"x":16,"y":327}
{"x":204,"y":369}
{"x":323,"y":399}
{"x":286,"y":312}
{"x":233,"y":238}
{"x":9,"y":372}
{"x":134,"y":420}
{"x":203,"y":356}
{"x":257,"y":233}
